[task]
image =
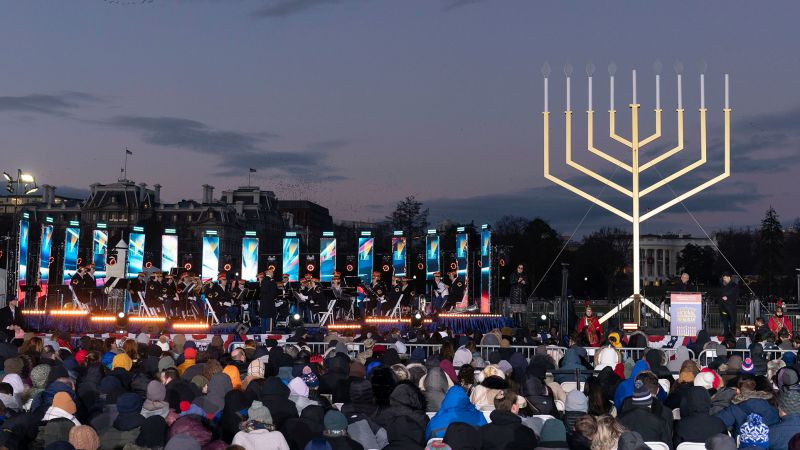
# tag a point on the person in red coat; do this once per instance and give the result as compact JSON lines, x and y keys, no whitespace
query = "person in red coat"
{"x":591,"y":328}
{"x":779,"y":321}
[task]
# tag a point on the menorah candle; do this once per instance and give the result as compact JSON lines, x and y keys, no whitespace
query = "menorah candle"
{"x":702,"y":91}
{"x":634,"y":85}
{"x":727,"y":93}
{"x":611,"y":81}
{"x":658,"y":91}
{"x":545,"y":95}
{"x":680,"y":93}
{"x":590,"y":92}
{"x":568,"y":102}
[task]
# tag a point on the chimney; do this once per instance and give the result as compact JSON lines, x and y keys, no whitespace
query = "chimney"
{"x":157,"y":194}
{"x":208,"y":194}
{"x":142,"y":191}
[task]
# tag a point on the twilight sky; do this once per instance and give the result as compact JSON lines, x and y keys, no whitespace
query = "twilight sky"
{"x":357,"y":103}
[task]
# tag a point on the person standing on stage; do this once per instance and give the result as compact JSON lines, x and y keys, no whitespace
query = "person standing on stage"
{"x":684,"y":285}
{"x":779,"y":321}
{"x":728,"y":296}
{"x":10,"y":320}
{"x":518,"y":293}
{"x":457,"y":289}
{"x":439,"y":292}
{"x":591,"y":328}
{"x":268,"y":290}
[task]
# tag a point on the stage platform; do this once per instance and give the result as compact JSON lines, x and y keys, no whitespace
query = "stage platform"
{"x":82,"y":322}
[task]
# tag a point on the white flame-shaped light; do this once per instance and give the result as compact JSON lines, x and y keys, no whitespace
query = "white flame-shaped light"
{"x":546,"y":70}
{"x":612,"y":68}
{"x":590,"y":68}
{"x":657,"y":67}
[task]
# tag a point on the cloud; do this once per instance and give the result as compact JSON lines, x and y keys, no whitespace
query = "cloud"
{"x":240,"y":151}
{"x":60,"y":104}
{"x":450,"y":5}
{"x":286,"y":8}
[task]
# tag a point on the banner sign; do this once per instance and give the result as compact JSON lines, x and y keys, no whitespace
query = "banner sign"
{"x":71,"y":252}
{"x":210,"y":257}
{"x":462,"y":254}
{"x":291,"y":258}
{"x":365,"y":255}
{"x":99,"y":249}
{"x":399,"y":256}
{"x":135,"y":254}
{"x":44,"y":255}
{"x":22,"y":257}
{"x":432,"y":256}
{"x":486,"y":270}
{"x":169,"y":252}
{"x":249,"y":258}
{"x":686,"y":311}
{"x":327,"y":258}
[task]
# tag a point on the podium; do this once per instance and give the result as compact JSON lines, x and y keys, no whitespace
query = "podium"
{"x":686,"y":312}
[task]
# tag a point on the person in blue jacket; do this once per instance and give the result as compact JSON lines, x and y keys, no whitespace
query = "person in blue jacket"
{"x":455,"y":407}
{"x":782,"y":432}
{"x":625,"y":388}
{"x":747,"y":401}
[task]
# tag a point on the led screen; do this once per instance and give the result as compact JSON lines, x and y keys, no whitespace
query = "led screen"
{"x":365,"y":256}
{"x":71,"y":252}
{"x":399,"y":256}
{"x":135,"y":254}
{"x":249,"y":258}
{"x":291,"y":258}
{"x":169,"y":252}
{"x":210,"y":257}
{"x":327,"y":258}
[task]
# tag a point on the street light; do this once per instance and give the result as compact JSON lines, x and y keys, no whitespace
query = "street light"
{"x":26,"y":178}
{"x":25,"y":183}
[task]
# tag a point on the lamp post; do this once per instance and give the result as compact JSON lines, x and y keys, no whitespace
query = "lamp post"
{"x":25,"y":180}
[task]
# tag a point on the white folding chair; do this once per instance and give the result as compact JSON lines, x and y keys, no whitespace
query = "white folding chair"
{"x":664,"y":384}
{"x":689,"y":446}
{"x":210,"y":314}
{"x":676,"y":414}
{"x":569,"y":386}
{"x":654,"y":445}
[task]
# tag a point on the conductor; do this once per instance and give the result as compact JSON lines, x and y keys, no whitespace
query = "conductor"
{"x":728,"y":296}
{"x":268,"y":291}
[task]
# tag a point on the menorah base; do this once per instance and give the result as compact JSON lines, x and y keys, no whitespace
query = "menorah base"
{"x":628,"y":301}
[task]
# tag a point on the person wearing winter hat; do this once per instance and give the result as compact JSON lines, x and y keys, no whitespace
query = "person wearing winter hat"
{"x":62,"y":407}
{"x":461,"y":357}
{"x":258,"y":431}
{"x":182,"y":441}
{"x":754,"y":433}
{"x":122,"y":361}
{"x":83,"y":437}
{"x":631,"y":440}
{"x":153,"y":434}
{"x":189,"y":356}
{"x":155,"y":404}
{"x":233,"y":373}
{"x":165,"y":362}
{"x":127,"y":425}
{"x":577,"y":405}
{"x":643,"y":414}
{"x":789,"y":425}
{"x":298,"y":393}
{"x":335,"y":431}
{"x":708,"y":379}
{"x":553,"y":435}
{"x":747,"y":367}
{"x":696,"y":424}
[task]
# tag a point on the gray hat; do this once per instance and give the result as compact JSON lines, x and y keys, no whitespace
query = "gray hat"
{"x":576,"y":402}
{"x":259,"y":413}
{"x":165,"y":362}
{"x":789,"y":401}
{"x":335,"y":421}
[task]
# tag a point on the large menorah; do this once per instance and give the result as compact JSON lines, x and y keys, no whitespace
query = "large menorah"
{"x":635,"y":167}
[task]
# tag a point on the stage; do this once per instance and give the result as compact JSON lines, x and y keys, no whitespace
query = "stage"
{"x":83,"y":322}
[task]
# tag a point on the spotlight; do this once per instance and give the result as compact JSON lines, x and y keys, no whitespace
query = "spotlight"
{"x":296,"y":316}
{"x":543,"y":317}
{"x":7,"y":176}
{"x":31,"y":191}
{"x":416,"y":320}
{"x":295,"y":321}
{"x":122,"y":321}
{"x":26,"y":178}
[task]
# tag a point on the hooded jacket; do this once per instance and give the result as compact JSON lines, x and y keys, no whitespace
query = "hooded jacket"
{"x":404,"y":433}
{"x":455,"y":407}
{"x":406,"y":400}
{"x":653,"y":422}
{"x":745,"y":403}
{"x":625,"y":388}
{"x":275,"y":396}
{"x":214,"y":400}
{"x":569,"y":363}
{"x":696,"y":425}
{"x":436,"y":386}
{"x":298,"y":432}
{"x":506,"y":431}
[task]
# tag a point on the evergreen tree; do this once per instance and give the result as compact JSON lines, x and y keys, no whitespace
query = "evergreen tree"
{"x":409,"y":217}
{"x":770,"y":249}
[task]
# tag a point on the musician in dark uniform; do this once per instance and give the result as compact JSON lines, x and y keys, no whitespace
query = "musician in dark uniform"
{"x":395,"y":292}
{"x":457,"y":289}
{"x":439,"y":292}
{"x":728,"y":296}
{"x":268,"y":290}
{"x":10,"y":320}
{"x":407,"y":290}
{"x":316,"y":302}
{"x":169,"y":292}
{"x":153,"y":292}
{"x":684,"y":285}
{"x":216,"y":296}
{"x":382,"y":304}
{"x":76,"y":283}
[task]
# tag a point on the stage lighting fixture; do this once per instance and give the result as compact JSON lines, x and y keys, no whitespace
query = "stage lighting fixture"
{"x":26,"y":178}
{"x":122,"y":321}
{"x":295,"y":321}
{"x":7,"y":176}
{"x":630,"y":326}
{"x":416,"y":320}
{"x":296,"y":316}
{"x":544,"y":317}
{"x":31,"y":191}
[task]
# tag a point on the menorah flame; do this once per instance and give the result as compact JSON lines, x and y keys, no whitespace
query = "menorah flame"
{"x":635,"y":167}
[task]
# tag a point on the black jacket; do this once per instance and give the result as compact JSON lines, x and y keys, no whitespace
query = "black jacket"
{"x":696,"y":425}
{"x":406,"y":400}
{"x":275,"y":396}
{"x":651,"y":422}
{"x":506,"y":431}
{"x":731,"y":291}
{"x":268,"y":290}
{"x":8,"y":319}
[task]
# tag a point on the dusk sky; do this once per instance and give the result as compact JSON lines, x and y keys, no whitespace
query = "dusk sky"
{"x":355,"y":104}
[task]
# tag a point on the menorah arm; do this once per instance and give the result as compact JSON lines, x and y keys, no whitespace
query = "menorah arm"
{"x":725,"y":174}
{"x":567,"y":186}
{"x":688,"y":168}
{"x":655,"y":135}
{"x":675,"y":150}
{"x":600,"y":153}
{"x":583,"y":169}
{"x":612,"y":130}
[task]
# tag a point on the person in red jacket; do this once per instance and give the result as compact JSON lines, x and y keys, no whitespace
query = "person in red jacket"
{"x":592,"y":328}
{"x":779,"y":321}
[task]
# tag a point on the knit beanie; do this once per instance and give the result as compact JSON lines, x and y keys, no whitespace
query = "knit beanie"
{"x":39,"y":376}
{"x":233,"y":373}
{"x":64,"y":401}
{"x":122,"y":360}
{"x":298,"y":387}
{"x":199,"y":381}
{"x":129,"y":403}
{"x":553,"y":431}
{"x":259,"y":413}
{"x":461,"y":357}
{"x":178,"y":341}
{"x":190,"y":353}
{"x":13,"y":365}
{"x":165,"y":362}
{"x":641,"y":395}
{"x":789,"y":401}
{"x":143,"y":338}
{"x":335,"y":421}
{"x":83,"y":437}
{"x":631,"y":440}
{"x":747,"y":367}
{"x":310,"y":378}
{"x":754,"y":433}
{"x":708,"y":379}
{"x":156,"y":391}
{"x":576,"y":402}
{"x":182,"y":441}
{"x":256,"y":369}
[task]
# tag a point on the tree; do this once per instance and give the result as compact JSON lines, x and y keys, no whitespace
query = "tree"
{"x":738,"y":246}
{"x":409,"y":217}
{"x":698,"y":262}
{"x":601,"y":256}
{"x":770,"y":251}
